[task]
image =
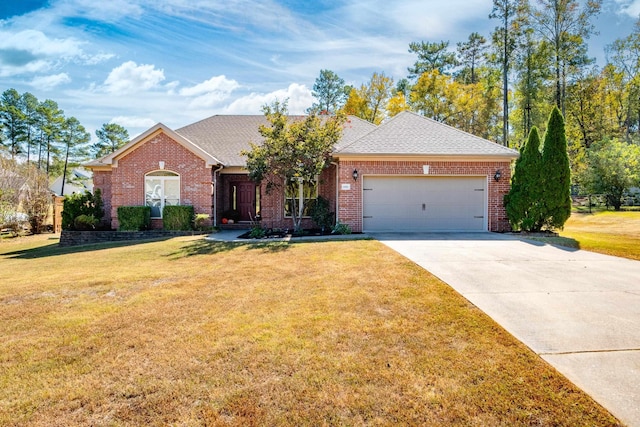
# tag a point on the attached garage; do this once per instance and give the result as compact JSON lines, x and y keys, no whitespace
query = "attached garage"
{"x":424,"y":203}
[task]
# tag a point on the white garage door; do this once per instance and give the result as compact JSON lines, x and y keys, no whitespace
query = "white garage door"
{"x":424,"y":203}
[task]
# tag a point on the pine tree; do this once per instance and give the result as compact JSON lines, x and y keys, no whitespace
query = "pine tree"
{"x":523,"y":201}
{"x":557,"y":173}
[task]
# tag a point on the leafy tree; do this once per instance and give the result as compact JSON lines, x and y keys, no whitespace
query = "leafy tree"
{"x":369,"y":101}
{"x":12,"y":120}
{"x":328,"y":89}
{"x":532,"y":67}
{"x":37,"y":197}
{"x":431,"y":56}
{"x":293,"y":153}
{"x":613,"y":167}
{"x":511,"y":15}
{"x":111,"y":136}
{"x":523,"y":201}
{"x":434,"y":95}
{"x":51,"y":123}
{"x":75,"y":139}
{"x":470,"y":56}
{"x":29,"y":107}
{"x":557,"y":173}
{"x":564,"y":25}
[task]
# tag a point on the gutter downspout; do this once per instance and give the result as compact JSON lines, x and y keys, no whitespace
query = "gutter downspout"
{"x":215,"y":194}
{"x":337,"y":190}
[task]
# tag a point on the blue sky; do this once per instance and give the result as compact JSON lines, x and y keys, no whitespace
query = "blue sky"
{"x":139,"y":62}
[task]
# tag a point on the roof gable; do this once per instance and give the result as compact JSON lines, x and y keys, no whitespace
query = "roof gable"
{"x":411,"y":134}
{"x":112,"y":159}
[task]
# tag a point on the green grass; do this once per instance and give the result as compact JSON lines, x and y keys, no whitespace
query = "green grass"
{"x":607,"y":232}
{"x":186,"y":332}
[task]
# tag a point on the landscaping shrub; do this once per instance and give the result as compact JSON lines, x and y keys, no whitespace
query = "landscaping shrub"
{"x":321,"y":214}
{"x":85,"y":222}
{"x":340,"y":228}
{"x":178,"y":217}
{"x":81,"y":204}
{"x":201,"y":222}
{"x":134,"y":218}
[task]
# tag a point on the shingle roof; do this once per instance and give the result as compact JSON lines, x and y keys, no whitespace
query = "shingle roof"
{"x":226,"y":136}
{"x":411,"y":134}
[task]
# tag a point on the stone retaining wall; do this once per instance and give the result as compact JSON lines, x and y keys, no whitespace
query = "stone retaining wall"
{"x":74,"y":238}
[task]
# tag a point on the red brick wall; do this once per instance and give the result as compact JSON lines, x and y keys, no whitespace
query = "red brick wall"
{"x":127,"y":178}
{"x":272,"y":204}
{"x":350,"y":201}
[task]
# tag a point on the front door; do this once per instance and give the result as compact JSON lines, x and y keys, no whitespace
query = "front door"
{"x":246,"y":200}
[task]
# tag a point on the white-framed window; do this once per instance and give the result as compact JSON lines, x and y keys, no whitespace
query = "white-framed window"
{"x":161,"y":188}
{"x":306,"y":192}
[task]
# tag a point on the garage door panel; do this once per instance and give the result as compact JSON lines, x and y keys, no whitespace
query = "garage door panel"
{"x":424,"y":203}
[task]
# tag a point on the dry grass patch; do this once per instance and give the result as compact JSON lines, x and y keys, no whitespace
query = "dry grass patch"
{"x":185,"y":332}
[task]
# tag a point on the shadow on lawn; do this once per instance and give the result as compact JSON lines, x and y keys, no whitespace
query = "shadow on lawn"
{"x":205,"y":247}
{"x":564,"y":243}
{"x":55,"y":250}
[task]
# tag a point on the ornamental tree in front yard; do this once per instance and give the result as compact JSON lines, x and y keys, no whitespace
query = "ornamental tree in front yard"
{"x":293,"y":154}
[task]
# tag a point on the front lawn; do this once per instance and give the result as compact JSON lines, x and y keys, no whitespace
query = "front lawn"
{"x":185,"y":332}
{"x":608,"y":232}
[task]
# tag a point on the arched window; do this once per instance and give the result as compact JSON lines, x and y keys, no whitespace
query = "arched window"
{"x":161,"y":188}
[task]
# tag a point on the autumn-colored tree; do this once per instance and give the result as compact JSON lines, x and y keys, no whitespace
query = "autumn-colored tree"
{"x":370,"y":100}
{"x":293,"y":154}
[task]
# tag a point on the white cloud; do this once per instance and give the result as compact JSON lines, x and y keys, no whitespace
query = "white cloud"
{"x":631,"y":8}
{"x":49,"y":82}
{"x":97,"y":59}
{"x":210,"y":92}
{"x":133,"y":121}
{"x":299,"y":99}
{"x":31,"y":51}
{"x":131,"y":77}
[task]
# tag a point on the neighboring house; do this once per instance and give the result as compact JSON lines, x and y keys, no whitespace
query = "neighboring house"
{"x":408,"y":174}
{"x":78,"y":180}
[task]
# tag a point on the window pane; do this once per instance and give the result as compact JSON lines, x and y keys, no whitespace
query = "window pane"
{"x":162,"y":173}
{"x":172,"y":189}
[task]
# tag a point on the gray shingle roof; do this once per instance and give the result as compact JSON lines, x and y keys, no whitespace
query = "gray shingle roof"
{"x":412,"y":134}
{"x":224,"y":137}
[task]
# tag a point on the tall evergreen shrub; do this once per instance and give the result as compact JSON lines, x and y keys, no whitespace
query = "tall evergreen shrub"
{"x":523,"y":203}
{"x":557,"y":173}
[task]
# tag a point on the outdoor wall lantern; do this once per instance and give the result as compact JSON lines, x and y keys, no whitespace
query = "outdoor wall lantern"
{"x":498,"y":175}
{"x":355,"y":174}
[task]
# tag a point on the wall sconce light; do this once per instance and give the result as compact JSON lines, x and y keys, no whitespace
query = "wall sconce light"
{"x":497,"y":175}
{"x":355,"y":174}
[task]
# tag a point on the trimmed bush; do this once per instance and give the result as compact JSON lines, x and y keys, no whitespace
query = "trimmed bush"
{"x":134,"y":218}
{"x":178,"y":218}
{"x":81,"y":204}
{"x":85,"y":222}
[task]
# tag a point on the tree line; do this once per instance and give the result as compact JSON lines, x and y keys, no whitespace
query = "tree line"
{"x":41,"y":134}
{"x":501,"y":85}
{"x":38,"y":142}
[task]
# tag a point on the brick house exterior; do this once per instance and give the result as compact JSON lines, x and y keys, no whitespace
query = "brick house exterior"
{"x":204,"y":163}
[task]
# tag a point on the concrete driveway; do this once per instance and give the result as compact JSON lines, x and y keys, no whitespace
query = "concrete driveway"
{"x":580,"y":311}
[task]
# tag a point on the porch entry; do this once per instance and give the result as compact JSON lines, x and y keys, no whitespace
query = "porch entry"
{"x":244,"y":199}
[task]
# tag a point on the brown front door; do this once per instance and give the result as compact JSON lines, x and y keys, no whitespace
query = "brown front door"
{"x":246,"y":200}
